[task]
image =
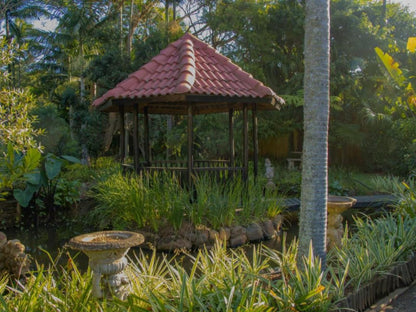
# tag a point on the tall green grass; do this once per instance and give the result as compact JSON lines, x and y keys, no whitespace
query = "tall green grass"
{"x":132,"y":201}
{"x":158,"y":200}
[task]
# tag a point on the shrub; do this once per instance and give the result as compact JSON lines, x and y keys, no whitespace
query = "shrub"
{"x":375,"y":247}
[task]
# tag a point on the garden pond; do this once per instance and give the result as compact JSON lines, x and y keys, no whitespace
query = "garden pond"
{"x":44,"y":244}
{"x":47,"y":243}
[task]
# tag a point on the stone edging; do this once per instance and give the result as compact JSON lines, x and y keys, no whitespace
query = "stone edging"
{"x":189,"y":237}
{"x":401,"y":275}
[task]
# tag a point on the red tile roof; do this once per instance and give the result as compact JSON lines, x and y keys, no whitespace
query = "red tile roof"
{"x":189,"y":66}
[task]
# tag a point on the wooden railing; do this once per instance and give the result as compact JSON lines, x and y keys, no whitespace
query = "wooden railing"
{"x":219,"y":168}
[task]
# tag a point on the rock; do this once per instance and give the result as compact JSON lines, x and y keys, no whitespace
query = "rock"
{"x":238,"y":236}
{"x":277,"y":222}
{"x":224,"y":234}
{"x":171,"y":243}
{"x":254,"y":232}
{"x":201,"y":238}
{"x":191,"y":236}
{"x":214,"y":235}
{"x":16,"y":248}
{"x":238,"y":240}
{"x":13,"y":258}
{"x":237,"y":231}
{"x":268,"y":229}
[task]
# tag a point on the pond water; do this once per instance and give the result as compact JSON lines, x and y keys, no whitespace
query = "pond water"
{"x":45,"y":243}
{"x":49,"y":243}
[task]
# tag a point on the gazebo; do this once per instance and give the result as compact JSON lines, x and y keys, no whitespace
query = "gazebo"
{"x":188,"y":78}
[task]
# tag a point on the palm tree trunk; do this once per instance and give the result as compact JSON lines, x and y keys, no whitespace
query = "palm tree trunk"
{"x":313,"y":213}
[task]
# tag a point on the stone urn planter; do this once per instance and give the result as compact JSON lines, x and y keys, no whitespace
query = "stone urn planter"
{"x":336,"y":206}
{"x":106,"y":251}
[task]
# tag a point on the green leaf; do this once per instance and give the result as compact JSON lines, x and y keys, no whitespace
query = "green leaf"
{"x":24,"y":196}
{"x":33,"y":178}
{"x":32,"y":159}
{"x":52,"y":167}
{"x":71,"y":159}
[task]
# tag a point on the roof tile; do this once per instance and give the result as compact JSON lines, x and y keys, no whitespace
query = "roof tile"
{"x":188,"y":66}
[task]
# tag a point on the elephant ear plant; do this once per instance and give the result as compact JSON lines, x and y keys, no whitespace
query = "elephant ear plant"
{"x":40,"y":186}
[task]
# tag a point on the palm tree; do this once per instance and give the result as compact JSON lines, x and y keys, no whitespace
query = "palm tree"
{"x":14,"y":13}
{"x":313,"y":213}
{"x":22,"y":9}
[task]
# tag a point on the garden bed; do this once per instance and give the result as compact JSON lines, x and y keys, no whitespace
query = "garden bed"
{"x":401,"y":275}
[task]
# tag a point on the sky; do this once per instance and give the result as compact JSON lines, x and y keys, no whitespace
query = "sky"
{"x":47,"y":24}
{"x":410,"y":3}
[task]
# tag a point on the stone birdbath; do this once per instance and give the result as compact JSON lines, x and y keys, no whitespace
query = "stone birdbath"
{"x":106,"y":251}
{"x":336,"y":206}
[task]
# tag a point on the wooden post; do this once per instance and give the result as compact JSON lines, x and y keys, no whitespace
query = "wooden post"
{"x":122,"y":133}
{"x":135,"y":136}
{"x":255,"y":142}
{"x":231,"y":139}
{"x":126,"y":136}
{"x":190,"y":142}
{"x":245,"y":142}
{"x":146,"y":137}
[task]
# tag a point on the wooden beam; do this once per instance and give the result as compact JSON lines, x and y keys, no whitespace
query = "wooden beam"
{"x":136,"y":136}
{"x":147,"y":151}
{"x":245,"y":142}
{"x":190,"y":143}
{"x":122,"y":133}
{"x":255,"y":142}
{"x":231,"y":137}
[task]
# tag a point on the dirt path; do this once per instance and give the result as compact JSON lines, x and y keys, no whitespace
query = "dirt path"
{"x":401,"y":300}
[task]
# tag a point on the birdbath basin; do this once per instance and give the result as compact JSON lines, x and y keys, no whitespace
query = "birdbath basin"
{"x":336,"y":206}
{"x":106,"y":251}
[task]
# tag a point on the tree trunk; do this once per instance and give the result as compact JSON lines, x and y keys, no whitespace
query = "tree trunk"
{"x":313,"y":213}
{"x":129,"y":41}
{"x":174,"y":10}
{"x":120,"y":25}
{"x":167,"y":20}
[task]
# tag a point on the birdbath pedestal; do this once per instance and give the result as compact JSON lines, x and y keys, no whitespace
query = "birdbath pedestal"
{"x":106,"y":251}
{"x":336,"y":206}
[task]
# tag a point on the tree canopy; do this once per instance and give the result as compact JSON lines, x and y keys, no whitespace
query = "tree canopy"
{"x":98,"y":43}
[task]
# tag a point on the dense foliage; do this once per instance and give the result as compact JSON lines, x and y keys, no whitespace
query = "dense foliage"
{"x":50,"y":75}
{"x":89,"y":46}
{"x":158,"y":202}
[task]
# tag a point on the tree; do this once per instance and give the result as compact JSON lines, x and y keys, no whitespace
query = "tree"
{"x":16,"y":122}
{"x":19,"y":151}
{"x":313,"y":213}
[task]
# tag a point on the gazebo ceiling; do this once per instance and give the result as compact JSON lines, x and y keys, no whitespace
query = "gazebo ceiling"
{"x":188,"y":71}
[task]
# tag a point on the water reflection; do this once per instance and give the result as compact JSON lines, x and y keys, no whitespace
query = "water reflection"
{"x":47,"y":244}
